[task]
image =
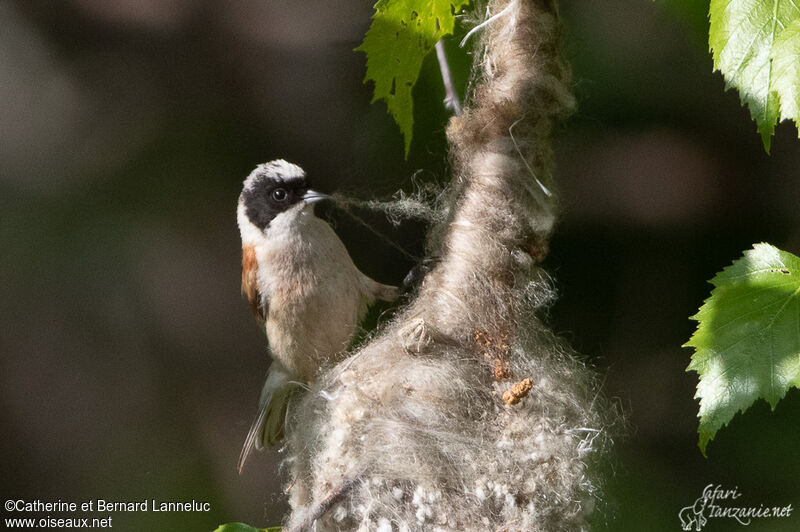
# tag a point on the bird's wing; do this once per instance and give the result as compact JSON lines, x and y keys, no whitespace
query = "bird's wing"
{"x":258,"y":302}
{"x":268,"y":427}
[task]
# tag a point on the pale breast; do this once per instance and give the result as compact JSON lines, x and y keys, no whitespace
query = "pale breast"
{"x":316,"y":296}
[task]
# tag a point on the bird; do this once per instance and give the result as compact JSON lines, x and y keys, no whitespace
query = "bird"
{"x":303,"y":288}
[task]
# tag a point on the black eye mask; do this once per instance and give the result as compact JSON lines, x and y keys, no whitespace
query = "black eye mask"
{"x":268,"y":197}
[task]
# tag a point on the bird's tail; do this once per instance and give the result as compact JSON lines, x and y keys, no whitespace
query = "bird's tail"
{"x":268,"y":427}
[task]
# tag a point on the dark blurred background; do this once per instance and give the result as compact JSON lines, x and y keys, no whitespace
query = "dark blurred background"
{"x":130,"y":366}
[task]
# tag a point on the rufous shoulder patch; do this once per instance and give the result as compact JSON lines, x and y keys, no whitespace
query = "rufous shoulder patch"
{"x":250,"y":282}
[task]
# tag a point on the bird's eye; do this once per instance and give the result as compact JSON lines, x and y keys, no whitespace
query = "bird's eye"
{"x":279,"y":194}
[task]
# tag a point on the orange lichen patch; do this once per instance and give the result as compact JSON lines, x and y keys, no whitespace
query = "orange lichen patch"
{"x":481,"y":338}
{"x":518,"y":392}
{"x":495,"y":349}
{"x":501,"y":370}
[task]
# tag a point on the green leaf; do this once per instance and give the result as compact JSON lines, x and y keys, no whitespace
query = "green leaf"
{"x":786,"y":70}
{"x":747,"y":342}
{"x":241,"y":527}
{"x":755,"y":45}
{"x":402,"y":33}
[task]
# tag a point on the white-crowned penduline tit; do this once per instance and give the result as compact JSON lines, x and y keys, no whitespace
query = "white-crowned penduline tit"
{"x":302,"y":285}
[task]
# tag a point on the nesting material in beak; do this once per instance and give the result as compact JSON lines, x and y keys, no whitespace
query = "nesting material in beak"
{"x":312,"y":196}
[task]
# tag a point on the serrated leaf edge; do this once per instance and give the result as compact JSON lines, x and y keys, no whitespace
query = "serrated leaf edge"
{"x":705,"y":437}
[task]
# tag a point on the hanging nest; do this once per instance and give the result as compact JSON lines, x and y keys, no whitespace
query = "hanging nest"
{"x":466,"y":412}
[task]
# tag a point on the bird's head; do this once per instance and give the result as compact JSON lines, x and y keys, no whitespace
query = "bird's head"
{"x":277,"y":192}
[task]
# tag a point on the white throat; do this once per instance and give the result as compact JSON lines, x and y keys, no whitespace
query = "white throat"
{"x":289,"y":222}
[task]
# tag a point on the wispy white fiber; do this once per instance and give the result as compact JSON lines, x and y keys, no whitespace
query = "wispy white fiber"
{"x":466,"y":413}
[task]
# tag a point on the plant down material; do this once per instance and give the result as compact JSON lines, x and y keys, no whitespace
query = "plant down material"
{"x":411,"y":431}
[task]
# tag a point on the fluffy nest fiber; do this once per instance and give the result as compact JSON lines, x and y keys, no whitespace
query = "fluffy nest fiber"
{"x":466,"y":412}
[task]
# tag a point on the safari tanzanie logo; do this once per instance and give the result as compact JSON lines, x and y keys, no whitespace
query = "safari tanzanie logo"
{"x":716,"y":502}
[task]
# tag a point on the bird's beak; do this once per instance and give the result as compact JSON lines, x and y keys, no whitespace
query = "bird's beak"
{"x":312,"y":196}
